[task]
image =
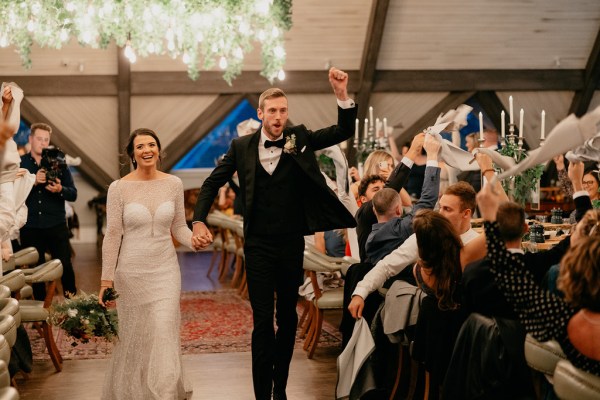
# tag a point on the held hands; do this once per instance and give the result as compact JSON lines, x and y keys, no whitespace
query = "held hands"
{"x":339,"y":82}
{"x":201,"y":236}
{"x":356,"y":306}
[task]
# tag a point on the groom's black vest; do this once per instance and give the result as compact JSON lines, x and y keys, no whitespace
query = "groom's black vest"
{"x":277,"y":207}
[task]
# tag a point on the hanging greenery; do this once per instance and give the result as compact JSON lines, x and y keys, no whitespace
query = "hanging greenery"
{"x":204,"y":33}
{"x":519,"y":187}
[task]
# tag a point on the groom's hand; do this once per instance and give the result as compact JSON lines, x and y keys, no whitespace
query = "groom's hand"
{"x":201,"y":237}
{"x":339,"y":83}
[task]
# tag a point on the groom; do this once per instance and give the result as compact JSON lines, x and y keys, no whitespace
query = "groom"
{"x":285,"y":197}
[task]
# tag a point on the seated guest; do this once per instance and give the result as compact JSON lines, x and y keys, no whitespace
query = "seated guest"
{"x":438,"y":272}
{"x":575,"y":321}
{"x":331,"y":243}
{"x":392,"y":229}
{"x":457,"y":204}
{"x":365,"y":216}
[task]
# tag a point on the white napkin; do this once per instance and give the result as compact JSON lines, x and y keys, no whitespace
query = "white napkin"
{"x":568,"y":134}
{"x":247,"y":127}
{"x":450,"y":153}
{"x":590,"y":151}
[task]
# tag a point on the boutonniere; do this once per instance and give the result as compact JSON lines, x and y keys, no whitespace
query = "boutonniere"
{"x":290,"y":145}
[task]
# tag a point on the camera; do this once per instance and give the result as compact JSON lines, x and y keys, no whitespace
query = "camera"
{"x":53,"y":162}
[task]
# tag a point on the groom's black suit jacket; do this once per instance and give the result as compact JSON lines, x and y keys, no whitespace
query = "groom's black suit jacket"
{"x":322,"y":209}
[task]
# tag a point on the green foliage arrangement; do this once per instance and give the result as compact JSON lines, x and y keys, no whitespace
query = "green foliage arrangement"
{"x":83,"y":318}
{"x":519,"y":187}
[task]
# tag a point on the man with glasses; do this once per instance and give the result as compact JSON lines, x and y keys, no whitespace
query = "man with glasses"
{"x":46,"y":227}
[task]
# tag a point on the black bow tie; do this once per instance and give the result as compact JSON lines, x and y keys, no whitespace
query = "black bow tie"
{"x":276,"y":143}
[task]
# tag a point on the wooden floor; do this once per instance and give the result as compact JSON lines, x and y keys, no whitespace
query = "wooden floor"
{"x":221,"y":376}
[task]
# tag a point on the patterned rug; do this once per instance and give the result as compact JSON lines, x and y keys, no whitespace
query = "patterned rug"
{"x":211,"y":322}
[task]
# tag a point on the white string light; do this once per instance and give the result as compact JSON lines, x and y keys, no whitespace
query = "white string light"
{"x":197,"y":32}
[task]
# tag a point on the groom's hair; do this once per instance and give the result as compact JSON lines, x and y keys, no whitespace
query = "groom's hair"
{"x":272,"y":93}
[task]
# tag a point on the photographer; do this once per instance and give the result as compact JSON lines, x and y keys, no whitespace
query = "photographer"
{"x":46,"y":227}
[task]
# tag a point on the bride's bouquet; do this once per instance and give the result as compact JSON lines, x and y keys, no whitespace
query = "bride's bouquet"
{"x":83,"y":318}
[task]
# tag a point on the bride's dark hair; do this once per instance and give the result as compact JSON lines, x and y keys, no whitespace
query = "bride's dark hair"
{"x":141,"y":132}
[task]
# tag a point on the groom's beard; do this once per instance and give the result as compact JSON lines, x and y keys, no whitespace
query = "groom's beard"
{"x":269,"y":128}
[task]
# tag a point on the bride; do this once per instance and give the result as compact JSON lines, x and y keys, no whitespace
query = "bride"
{"x":143,"y":209}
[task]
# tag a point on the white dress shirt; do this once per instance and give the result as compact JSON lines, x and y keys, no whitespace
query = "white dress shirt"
{"x":269,"y":158}
{"x":395,"y":262}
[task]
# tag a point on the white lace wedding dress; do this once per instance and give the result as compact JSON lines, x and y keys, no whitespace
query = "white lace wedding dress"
{"x":146,"y":361}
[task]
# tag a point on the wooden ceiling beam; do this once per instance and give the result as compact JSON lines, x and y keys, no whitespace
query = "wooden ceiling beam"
{"x":591,"y":81}
{"x":368,"y":65}
{"x":178,"y":83}
{"x":91,"y":171}
{"x":476,"y":80}
{"x":124,"y":110}
{"x":199,"y":128}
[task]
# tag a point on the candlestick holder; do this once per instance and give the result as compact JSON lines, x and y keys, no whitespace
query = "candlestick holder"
{"x":511,"y":133}
{"x":481,"y":141}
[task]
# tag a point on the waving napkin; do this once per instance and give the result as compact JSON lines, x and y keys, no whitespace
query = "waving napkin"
{"x":504,"y":162}
{"x":568,"y":134}
{"x":590,"y":151}
{"x":12,"y":160}
{"x":450,"y":153}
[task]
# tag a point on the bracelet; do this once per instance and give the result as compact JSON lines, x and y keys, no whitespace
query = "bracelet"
{"x":488,"y":170}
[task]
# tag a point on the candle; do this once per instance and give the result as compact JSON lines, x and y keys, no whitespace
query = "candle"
{"x":366,"y":130}
{"x":356,"y":130}
{"x":377,"y":127}
{"x":371,"y":115}
{"x":503,"y":123}
{"x":521,"y":123}
{"x":510,"y":107}
{"x":543,"y":124}
{"x":385,"y":131}
{"x":481,"y":126}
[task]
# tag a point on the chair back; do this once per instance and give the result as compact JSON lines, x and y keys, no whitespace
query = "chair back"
{"x":26,"y":256}
{"x":4,"y":350}
{"x":571,"y":383}
{"x":14,"y":280}
{"x":4,"y":291}
{"x":9,"y":265}
{"x":10,"y":306}
{"x":8,"y":328}
{"x":4,"y":374}
{"x":543,"y":356}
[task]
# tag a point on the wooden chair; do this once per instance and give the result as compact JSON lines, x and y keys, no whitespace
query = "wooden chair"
{"x":324,"y":300}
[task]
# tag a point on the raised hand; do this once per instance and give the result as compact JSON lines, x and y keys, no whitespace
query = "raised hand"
{"x":432,"y":147}
{"x":575,"y":173}
{"x":416,"y":146}
{"x":7,"y":95}
{"x":488,"y":203}
{"x":339,"y":82}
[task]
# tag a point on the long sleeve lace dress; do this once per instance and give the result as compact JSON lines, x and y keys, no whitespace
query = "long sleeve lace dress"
{"x":139,"y":255}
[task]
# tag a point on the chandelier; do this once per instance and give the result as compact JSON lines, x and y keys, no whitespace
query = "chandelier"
{"x":204,"y":33}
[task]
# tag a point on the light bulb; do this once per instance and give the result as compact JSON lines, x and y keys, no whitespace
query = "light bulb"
{"x":186,"y":58}
{"x":238,"y":53}
{"x":151,"y":48}
{"x":262,"y":7}
{"x":281,"y":75}
{"x":30,"y":25}
{"x":223,"y":62}
{"x":279,"y":52}
{"x":36,"y":8}
{"x":64,"y":35}
{"x":275,"y":32}
{"x":129,"y":53}
{"x":3,"y":41}
{"x":70,"y":6}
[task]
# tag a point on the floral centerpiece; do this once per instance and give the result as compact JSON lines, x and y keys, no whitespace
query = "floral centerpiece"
{"x":83,"y":318}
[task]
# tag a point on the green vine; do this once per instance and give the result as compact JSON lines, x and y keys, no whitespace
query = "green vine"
{"x":519,"y":187}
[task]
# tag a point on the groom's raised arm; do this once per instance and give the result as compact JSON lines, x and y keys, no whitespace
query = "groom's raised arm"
{"x":347,"y":110}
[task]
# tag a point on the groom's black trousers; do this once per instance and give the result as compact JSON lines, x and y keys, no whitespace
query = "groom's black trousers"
{"x":273,"y":266}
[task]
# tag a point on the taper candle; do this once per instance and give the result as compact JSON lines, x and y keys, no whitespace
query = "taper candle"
{"x":385,"y":131}
{"x":366,"y":131}
{"x":521,"y":114}
{"x":503,"y":123}
{"x":356,"y":130}
{"x":481,"y":126}
{"x":511,"y":111}
{"x":371,"y":116}
{"x":543,"y":124}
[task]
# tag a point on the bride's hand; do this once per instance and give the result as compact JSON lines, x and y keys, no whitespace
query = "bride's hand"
{"x":201,"y":236}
